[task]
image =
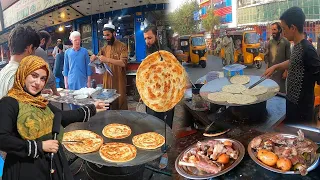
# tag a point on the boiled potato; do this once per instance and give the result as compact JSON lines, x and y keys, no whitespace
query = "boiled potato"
{"x":223,"y":159}
{"x":267,"y":157}
{"x":227,"y":143}
{"x":284,"y":164}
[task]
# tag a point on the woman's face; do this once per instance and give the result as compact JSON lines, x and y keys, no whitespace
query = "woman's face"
{"x":36,"y":81}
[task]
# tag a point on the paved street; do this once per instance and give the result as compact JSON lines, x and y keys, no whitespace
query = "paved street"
{"x":214,"y":64}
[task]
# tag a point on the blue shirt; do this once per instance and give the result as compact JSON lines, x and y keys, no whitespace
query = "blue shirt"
{"x":76,"y":68}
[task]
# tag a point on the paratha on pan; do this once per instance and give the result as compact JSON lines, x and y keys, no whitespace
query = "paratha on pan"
{"x":233,"y":88}
{"x":220,"y":96}
{"x":240,"y":79}
{"x":116,"y":131}
{"x":242,"y":99}
{"x":161,"y":83}
{"x":255,"y":91}
{"x":150,"y":140}
{"x":88,"y":141}
{"x":117,"y":152}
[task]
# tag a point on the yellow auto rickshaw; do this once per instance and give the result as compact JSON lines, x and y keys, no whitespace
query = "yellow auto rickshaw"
{"x":193,"y":50}
{"x":247,"y":48}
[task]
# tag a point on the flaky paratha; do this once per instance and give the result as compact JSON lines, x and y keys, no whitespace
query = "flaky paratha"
{"x":161,"y":84}
{"x":219,"y":96}
{"x":88,"y":141}
{"x":242,"y":99}
{"x":150,"y":140}
{"x":117,"y":152}
{"x":240,"y":79}
{"x":116,"y":131}
{"x":233,"y":88}
{"x":255,"y":91}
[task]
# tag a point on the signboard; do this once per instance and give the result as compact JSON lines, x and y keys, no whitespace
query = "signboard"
{"x":196,"y":15}
{"x":86,"y":36}
{"x":25,"y":8}
{"x":203,"y":1}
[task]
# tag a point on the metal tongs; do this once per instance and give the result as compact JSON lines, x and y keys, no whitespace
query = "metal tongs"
{"x":261,"y":80}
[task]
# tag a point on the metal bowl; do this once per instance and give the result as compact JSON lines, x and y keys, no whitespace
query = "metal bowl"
{"x":314,"y":156}
{"x":193,"y":173}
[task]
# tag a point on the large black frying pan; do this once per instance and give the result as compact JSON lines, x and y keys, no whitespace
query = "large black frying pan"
{"x":138,"y":122}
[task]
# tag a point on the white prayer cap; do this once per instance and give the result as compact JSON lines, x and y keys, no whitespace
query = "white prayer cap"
{"x":109,"y":26}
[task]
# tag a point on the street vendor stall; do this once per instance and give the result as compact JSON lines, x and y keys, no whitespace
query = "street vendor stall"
{"x":83,"y":97}
{"x":234,"y":122}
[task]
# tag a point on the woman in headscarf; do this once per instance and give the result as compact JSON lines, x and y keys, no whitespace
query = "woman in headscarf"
{"x":26,"y":126}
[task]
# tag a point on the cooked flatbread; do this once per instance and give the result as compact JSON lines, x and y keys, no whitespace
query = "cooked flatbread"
{"x":150,"y":140}
{"x":233,"y":88}
{"x":219,"y":96}
{"x":255,"y":91}
{"x":116,"y":131}
{"x":87,"y":141}
{"x":242,"y":99}
{"x":117,"y":152}
{"x":240,"y":79}
{"x":161,"y":83}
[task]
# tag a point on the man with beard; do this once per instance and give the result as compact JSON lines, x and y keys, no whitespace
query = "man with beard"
{"x":228,"y":45}
{"x":115,"y":55}
{"x":150,"y":37}
{"x":303,"y":69}
{"x":45,"y":41}
{"x":278,"y":51}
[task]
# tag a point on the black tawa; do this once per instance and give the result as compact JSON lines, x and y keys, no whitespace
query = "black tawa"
{"x":138,"y":122}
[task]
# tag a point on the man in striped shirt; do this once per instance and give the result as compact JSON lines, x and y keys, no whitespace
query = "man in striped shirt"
{"x":23,"y":41}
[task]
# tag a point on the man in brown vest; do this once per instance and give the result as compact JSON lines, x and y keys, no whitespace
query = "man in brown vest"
{"x":115,"y":55}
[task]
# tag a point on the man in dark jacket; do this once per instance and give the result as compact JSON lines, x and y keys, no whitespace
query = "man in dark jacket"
{"x":58,"y":65}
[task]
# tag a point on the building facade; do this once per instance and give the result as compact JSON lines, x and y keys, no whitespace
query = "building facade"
{"x":260,"y":14}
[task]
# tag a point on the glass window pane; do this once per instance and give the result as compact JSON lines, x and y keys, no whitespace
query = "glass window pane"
{"x":316,"y":10}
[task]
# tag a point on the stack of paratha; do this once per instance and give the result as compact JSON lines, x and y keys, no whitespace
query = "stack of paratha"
{"x":237,"y":93}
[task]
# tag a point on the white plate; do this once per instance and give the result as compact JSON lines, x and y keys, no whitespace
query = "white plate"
{"x":45,"y":95}
{"x":81,"y":97}
{"x":59,"y":89}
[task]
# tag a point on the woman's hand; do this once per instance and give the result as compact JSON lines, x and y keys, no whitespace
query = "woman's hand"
{"x":50,"y":146}
{"x":101,"y":106}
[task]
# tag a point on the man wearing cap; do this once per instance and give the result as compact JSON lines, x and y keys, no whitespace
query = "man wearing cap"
{"x":56,"y":49}
{"x":115,"y":55}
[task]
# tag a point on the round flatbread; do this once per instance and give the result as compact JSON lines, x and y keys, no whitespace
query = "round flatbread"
{"x":86,"y":141}
{"x":255,"y":91}
{"x":150,"y":140}
{"x":242,"y":99}
{"x":240,"y":79}
{"x":219,"y":96}
{"x":161,"y":83}
{"x":116,"y":131}
{"x":117,"y":152}
{"x":233,"y":88}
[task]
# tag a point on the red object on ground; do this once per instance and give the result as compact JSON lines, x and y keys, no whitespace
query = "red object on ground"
{"x":184,"y":133}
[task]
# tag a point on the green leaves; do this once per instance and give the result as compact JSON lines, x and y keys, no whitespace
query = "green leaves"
{"x":210,"y":20}
{"x":181,"y":20}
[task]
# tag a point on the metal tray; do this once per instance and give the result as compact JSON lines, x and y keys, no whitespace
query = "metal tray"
{"x":183,"y":171}
{"x":138,"y":122}
{"x":217,"y":84}
{"x":315,"y":157}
